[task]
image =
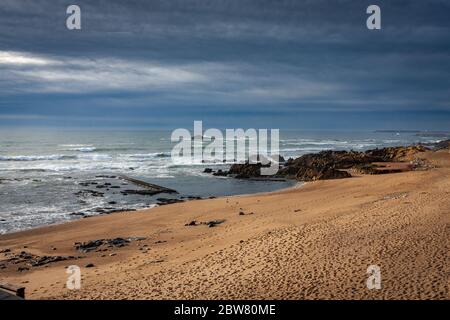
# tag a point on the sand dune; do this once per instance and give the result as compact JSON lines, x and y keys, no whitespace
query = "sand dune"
{"x":310,"y":242}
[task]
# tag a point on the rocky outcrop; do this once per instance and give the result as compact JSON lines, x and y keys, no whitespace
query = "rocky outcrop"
{"x":95,"y":245}
{"x":396,"y":153}
{"x":386,"y":167}
{"x":329,"y":164}
{"x":23,"y":260}
{"x":246,"y":170}
{"x":210,"y":224}
{"x":312,"y":174}
{"x":442,"y":145}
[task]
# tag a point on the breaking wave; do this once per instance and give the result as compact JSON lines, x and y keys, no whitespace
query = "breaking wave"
{"x":55,"y":157}
{"x":37,"y":158}
{"x":144,"y":156}
{"x":84,"y":149}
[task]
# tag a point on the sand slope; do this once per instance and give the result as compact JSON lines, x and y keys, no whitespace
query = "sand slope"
{"x":311,"y":242}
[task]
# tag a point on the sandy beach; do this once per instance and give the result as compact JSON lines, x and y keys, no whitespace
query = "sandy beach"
{"x":313,"y":241}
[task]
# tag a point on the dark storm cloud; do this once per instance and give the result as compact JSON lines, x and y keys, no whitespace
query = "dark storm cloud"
{"x":226,"y":59}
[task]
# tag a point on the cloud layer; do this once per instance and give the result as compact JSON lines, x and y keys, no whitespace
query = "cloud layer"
{"x":225,"y":60}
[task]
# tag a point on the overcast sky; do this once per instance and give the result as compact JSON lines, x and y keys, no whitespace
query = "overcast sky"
{"x":307,"y":64}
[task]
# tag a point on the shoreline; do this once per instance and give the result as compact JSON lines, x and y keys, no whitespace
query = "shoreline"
{"x":109,"y":191}
{"x":297,"y":243}
{"x":152,"y":206}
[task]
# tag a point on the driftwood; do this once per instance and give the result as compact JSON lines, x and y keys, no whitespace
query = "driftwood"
{"x":153,"y":187}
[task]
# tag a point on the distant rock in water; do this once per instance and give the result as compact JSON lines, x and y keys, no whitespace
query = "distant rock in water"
{"x":327,"y":164}
{"x":220,"y":173}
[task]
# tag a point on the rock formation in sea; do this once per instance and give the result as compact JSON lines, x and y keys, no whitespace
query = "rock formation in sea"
{"x":330,"y":164}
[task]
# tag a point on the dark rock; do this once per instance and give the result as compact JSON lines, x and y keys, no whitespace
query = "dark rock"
{"x":90,"y":245}
{"x":149,"y":186}
{"x":208,"y":170}
{"x":140,"y":192}
{"x":156,"y":261}
{"x":327,"y":164}
{"x":311,"y":174}
{"x":366,"y":168}
{"x":395,"y":153}
{"x":166,"y":201}
{"x":87,"y":193}
{"x":214,"y":223}
{"x":94,"y":245}
{"x":220,"y":173}
{"x":192,"y":223}
{"x":89,"y":265}
{"x":82,"y":214}
{"x":246,"y":170}
{"x":442,"y":145}
{"x":192,"y":197}
{"x":34,"y":260}
{"x":50,"y":259}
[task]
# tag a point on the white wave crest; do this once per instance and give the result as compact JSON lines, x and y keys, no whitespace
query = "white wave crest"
{"x":85,"y":149}
{"x":36,"y":157}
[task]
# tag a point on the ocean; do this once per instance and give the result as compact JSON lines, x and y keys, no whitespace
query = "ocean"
{"x":43,"y":171}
